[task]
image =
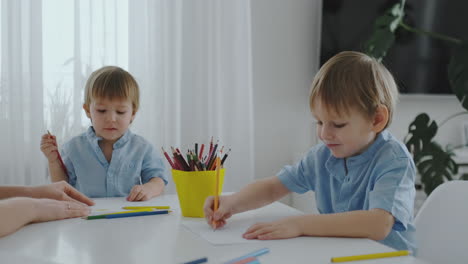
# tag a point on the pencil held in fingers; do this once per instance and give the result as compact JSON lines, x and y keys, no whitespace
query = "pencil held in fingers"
{"x":216,"y":198}
{"x":59,"y":157}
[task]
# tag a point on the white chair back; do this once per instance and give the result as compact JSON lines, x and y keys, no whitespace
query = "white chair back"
{"x":442,"y":225}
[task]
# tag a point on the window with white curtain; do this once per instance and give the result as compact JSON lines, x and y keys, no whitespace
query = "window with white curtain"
{"x":78,"y":37}
{"x":192,"y":60}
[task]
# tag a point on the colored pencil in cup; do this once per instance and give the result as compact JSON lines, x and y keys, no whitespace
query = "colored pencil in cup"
{"x":225,"y":157}
{"x":371,"y":256}
{"x":168,"y":158}
{"x":60,"y":158}
{"x":200,"y":155}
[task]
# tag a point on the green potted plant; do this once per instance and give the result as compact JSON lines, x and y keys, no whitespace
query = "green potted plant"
{"x":434,"y":163}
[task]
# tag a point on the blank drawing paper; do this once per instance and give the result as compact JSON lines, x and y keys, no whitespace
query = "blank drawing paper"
{"x":232,"y":232}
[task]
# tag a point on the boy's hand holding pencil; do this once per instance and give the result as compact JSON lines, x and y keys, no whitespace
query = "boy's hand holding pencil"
{"x":217,"y":219}
{"x":49,"y":147}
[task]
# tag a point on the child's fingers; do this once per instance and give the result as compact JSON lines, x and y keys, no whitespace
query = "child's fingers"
{"x":140,"y":195}
{"x":131,"y":195}
{"x":207,"y":207}
{"x":221,"y":214}
{"x":44,"y":137}
{"x":255,"y":227}
{"x":134,"y":193}
{"x":219,"y":223}
{"x":48,"y":148}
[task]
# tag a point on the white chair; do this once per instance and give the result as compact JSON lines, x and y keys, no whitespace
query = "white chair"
{"x":442,"y":225}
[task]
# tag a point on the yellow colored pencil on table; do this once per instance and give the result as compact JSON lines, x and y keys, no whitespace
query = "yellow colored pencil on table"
{"x":126,"y":212}
{"x":371,"y":256}
{"x":145,"y":207}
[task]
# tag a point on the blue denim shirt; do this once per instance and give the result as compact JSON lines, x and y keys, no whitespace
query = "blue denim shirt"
{"x":381,"y":177}
{"x":133,"y":159}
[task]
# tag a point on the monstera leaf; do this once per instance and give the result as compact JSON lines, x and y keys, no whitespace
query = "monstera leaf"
{"x":384,"y":32}
{"x":420,"y":133}
{"x":458,"y":74}
{"x":434,"y":165}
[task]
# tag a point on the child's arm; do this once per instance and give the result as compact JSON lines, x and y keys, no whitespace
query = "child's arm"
{"x":144,"y":192}
{"x":374,"y":224}
{"x":254,"y":195}
{"x":49,"y":148}
{"x":56,"y":172}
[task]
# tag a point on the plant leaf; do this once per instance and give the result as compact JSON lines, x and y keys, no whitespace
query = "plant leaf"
{"x":464,"y":177}
{"x":384,"y":32}
{"x":434,"y":165}
{"x":420,"y":132}
{"x":458,"y":74}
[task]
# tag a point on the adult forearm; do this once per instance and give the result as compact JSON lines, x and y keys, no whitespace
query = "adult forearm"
{"x":14,"y":191}
{"x":15,"y":213}
{"x":374,"y":224}
{"x":259,"y":193}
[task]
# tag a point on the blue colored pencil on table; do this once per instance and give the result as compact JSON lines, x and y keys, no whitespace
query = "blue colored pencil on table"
{"x":110,"y":216}
{"x":197,"y":261}
{"x":252,"y":254}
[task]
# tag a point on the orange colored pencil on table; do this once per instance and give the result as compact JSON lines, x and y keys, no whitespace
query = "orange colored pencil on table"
{"x":216,"y":198}
{"x":60,"y":158}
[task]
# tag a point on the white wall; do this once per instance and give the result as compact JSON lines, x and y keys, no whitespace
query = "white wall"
{"x":438,"y":107}
{"x":285,"y":52}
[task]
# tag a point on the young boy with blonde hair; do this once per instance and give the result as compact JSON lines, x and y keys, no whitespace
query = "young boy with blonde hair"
{"x":108,"y":160}
{"x":363,"y":178}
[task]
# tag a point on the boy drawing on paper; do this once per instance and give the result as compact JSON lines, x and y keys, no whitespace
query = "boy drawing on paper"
{"x":362,"y":176}
{"x":108,"y":160}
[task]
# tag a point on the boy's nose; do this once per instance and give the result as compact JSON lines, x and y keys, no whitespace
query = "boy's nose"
{"x":111,"y":117}
{"x":326,"y":133}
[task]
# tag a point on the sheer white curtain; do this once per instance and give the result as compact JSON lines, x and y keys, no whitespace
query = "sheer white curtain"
{"x":21,"y":108}
{"x":193,"y":62}
{"x":191,"y":58}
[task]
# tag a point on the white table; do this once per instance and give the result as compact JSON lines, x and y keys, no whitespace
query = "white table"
{"x":164,"y":239}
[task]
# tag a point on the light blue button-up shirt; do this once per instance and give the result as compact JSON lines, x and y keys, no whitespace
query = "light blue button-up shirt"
{"x":381,"y":177}
{"x":134,"y":160}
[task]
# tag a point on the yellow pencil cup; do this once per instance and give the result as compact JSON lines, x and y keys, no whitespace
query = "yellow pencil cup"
{"x":193,"y":187}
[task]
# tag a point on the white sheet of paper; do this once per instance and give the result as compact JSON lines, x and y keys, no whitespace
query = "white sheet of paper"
{"x":236,"y":225}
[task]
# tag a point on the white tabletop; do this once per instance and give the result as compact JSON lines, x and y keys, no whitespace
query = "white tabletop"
{"x":165,"y":239}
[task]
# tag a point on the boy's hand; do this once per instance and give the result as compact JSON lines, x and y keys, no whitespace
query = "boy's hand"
{"x":225,"y":210}
{"x":284,"y":228}
{"x":139,"y":193}
{"x":49,"y":147}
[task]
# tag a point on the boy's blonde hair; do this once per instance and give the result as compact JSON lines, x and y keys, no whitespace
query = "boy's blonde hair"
{"x":112,"y":82}
{"x":354,"y":80}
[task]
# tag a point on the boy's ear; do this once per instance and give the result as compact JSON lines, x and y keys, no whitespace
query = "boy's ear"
{"x":380,"y":119}
{"x":86,"y":108}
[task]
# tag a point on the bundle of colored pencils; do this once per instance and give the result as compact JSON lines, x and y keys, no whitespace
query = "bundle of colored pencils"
{"x":196,"y":161}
